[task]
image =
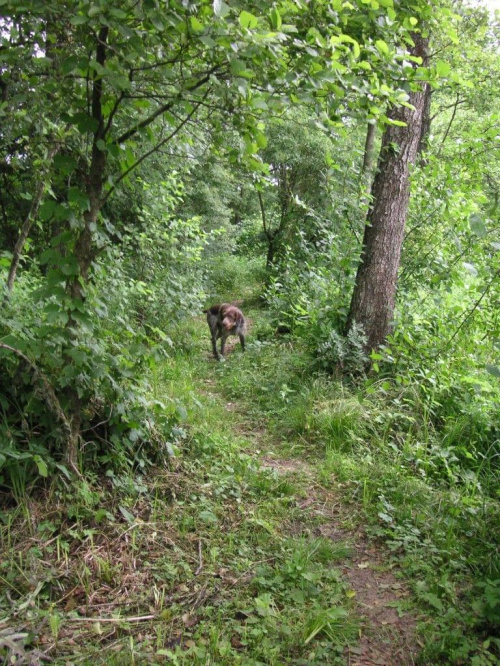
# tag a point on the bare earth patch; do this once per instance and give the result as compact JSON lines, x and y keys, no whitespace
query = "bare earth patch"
{"x":388,"y":634}
{"x":283,"y":465}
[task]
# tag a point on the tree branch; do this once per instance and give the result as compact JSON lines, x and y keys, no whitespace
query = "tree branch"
{"x":449,"y":124}
{"x":263,"y":213}
{"x":29,"y":219}
{"x":153,"y":149}
{"x":470,"y":313}
{"x":164,"y":108}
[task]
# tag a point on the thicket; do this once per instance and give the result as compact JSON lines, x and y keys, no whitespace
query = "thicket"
{"x":255,"y":167}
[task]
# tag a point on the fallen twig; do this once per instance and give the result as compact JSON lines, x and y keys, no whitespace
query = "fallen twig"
{"x":200,"y":556}
{"x":139,"y":618}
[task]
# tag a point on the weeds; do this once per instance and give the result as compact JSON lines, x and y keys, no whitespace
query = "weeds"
{"x":212,"y":558}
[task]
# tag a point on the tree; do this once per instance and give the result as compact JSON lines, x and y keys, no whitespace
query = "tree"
{"x":294,"y":195}
{"x":124,"y":82}
{"x":373,"y":299}
{"x":117,"y":85}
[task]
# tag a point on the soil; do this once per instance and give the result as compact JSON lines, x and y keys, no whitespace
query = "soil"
{"x":388,"y":631}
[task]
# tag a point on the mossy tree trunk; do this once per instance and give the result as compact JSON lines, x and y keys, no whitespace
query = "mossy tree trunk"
{"x":373,"y":300}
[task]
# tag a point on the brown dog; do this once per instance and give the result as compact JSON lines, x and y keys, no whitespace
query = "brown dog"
{"x":225,"y":320}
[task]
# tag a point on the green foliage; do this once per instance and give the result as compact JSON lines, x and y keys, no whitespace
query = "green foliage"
{"x":155,"y":272}
{"x":348,"y":353}
{"x":231,"y":274}
{"x":123,"y":427}
{"x":152,"y":160}
{"x":451,"y":403}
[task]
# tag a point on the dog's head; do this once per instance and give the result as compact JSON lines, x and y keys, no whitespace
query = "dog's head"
{"x":231,"y":316}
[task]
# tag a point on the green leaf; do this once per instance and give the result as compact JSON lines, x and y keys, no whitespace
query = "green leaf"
{"x":101,"y":514}
{"x":237,"y":66}
{"x":65,"y":164}
{"x":43,"y":470}
{"x":443,"y":68}
{"x":208,"y":517}
{"x":78,"y":20}
{"x":433,"y":600}
{"x":64,"y":470}
{"x":250,"y":147}
{"x":220,"y":8}
{"x":493,"y":370}
{"x":126,"y":514}
{"x":79,"y":198}
{"x":261,"y":139}
{"x":382,"y":47}
{"x":69,"y":64}
{"x":248,"y":20}
{"x":259,"y":103}
{"x":208,"y":41}
{"x":470,"y":268}
{"x":84,"y":122}
{"x":196,"y":25}
{"x":477,"y":225}
{"x":118,"y":13}
{"x":48,"y":255}
{"x":47,"y":210}
{"x":275,"y":19}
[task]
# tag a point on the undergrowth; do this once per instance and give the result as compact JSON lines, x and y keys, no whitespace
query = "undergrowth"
{"x":210,"y":559}
{"x":407,"y":478}
{"x":206,"y":560}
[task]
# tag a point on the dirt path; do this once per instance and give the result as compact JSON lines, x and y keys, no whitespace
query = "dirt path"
{"x":388,"y":632}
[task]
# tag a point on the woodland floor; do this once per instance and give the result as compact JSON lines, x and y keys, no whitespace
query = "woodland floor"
{"x":387,"y":633}
{"x":240,"y":551}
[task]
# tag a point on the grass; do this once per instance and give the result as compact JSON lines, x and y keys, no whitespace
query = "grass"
{"x":193,"y":564}
{"x":219,"y":557}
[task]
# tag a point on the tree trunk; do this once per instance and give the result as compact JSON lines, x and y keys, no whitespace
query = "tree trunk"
{"x":372,"y":304}
{"x":271,"y":253}
{"x":423,"y":143}
{"x":369,"y":149}
{"x":367,"y":168}
{"x":85,"y":250}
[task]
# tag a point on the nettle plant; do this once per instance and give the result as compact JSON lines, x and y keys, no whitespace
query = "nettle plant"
{"x":105,"y":364}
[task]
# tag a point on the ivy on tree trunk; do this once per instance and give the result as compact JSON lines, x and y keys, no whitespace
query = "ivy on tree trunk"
{"x":373,"y":300}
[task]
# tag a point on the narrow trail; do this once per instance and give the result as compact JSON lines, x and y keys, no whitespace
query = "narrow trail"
{"x":218,"y":556}
{"x":387,"y":635}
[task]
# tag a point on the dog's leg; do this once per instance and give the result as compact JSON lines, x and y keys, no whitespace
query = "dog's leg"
{"x":224,"y":337}
{"x":214,"y":330}
{"x":242,"y":340}
{"x":214,"y":345}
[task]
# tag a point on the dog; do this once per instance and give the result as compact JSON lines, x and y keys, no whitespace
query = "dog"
{"x":225,"y":320}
